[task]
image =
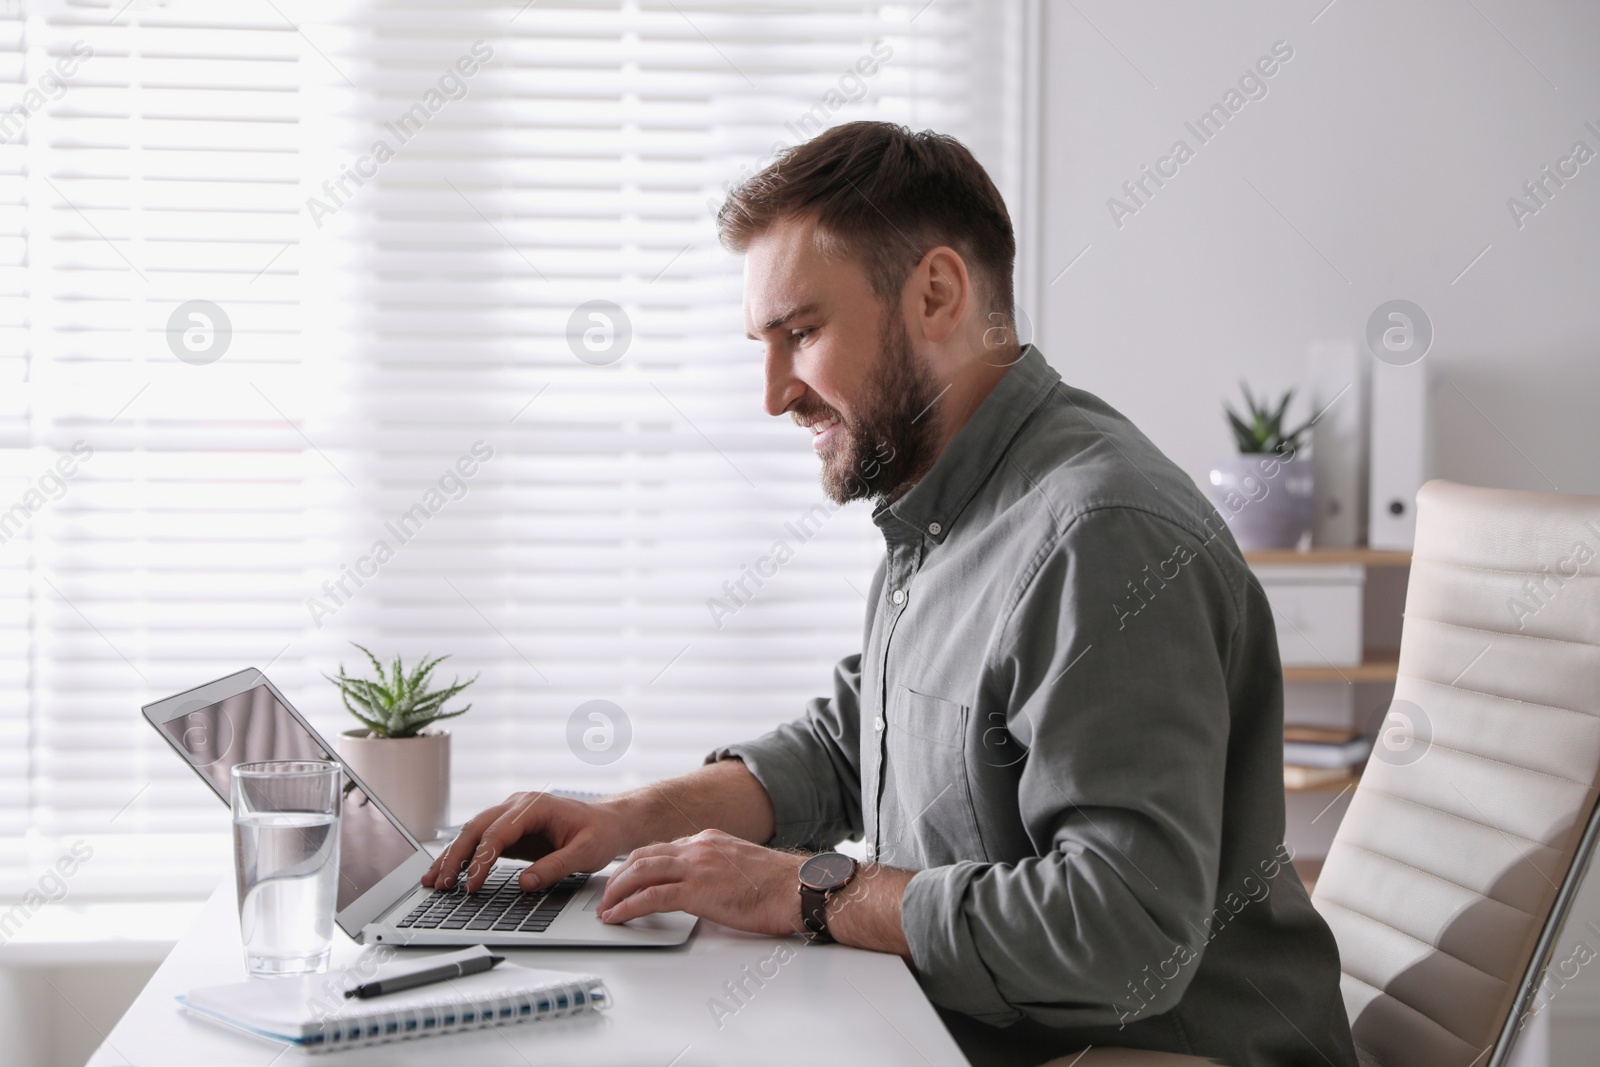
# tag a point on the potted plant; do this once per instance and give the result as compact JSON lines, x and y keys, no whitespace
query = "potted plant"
{"x":397,"y":751}
{"x":1266,"y":493}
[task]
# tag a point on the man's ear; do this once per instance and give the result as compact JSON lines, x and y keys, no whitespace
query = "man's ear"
{"x":942,"y":293}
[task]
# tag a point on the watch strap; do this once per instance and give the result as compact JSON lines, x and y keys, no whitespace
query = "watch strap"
{"x":814,"y":914}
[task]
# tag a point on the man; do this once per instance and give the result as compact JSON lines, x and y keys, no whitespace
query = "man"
{"x":1062,"y":740}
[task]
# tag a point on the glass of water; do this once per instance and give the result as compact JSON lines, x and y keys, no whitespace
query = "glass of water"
{"x":286,"y":860}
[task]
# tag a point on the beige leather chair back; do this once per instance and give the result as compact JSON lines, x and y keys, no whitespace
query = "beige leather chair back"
{"x":1455,"y":860}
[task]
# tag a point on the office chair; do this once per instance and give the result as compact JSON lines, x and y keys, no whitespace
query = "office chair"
{"x":1474,"y":822}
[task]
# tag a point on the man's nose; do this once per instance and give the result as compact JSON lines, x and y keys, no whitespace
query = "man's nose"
{"x":783,"y":388}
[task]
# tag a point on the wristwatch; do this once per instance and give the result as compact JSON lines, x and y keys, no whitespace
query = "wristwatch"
{"x":821,"y":877}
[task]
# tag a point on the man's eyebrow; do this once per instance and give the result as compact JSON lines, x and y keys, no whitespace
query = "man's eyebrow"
{"x":783,"y":317}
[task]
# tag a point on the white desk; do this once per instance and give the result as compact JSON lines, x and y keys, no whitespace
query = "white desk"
{"x":827,"y":998}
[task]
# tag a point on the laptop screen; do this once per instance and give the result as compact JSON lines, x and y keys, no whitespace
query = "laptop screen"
{"x":253,"y":726}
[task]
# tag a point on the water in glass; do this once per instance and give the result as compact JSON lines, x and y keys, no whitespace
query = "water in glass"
{"x":286,"y":859}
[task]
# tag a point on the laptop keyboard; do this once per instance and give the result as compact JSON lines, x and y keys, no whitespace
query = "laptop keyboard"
{"x":499,"y":905}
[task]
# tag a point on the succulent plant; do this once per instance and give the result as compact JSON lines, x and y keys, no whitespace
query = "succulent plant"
{"x":1264,"y":431}
{"x":401,"y":704}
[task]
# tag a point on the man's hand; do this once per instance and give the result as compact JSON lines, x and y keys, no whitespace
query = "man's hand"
{"x":713,"y":875}
{"x":754,"y":888}
{"x":560,"y":835}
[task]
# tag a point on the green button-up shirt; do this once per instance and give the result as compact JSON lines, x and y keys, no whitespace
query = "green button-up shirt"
{"x":1067,"y":718}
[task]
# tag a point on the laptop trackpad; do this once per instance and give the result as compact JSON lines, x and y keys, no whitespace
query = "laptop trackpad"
{"x":589,"y":897}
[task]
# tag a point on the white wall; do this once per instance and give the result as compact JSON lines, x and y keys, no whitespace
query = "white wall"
{"x":1391,"y":140}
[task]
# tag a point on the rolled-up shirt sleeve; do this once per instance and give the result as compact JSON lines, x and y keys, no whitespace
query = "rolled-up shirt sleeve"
{"x":811,"y":767}
{"x":1117,"y":685}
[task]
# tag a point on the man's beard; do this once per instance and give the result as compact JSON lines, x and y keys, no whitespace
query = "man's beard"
{"x":888,"y":445}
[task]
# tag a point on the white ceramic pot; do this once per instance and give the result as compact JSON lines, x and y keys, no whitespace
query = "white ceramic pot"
{"x":1267,"y":500}
{"x":411,"y":775}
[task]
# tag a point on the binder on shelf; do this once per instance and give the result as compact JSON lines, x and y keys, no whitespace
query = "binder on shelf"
{"x":1400,"y":452}
{"x":1336,"y":389}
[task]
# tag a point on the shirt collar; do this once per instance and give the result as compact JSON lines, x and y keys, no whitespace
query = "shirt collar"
{"x":931,"y":507}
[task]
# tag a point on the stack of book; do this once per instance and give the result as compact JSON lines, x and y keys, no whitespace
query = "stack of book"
{"x":1314,"y":757}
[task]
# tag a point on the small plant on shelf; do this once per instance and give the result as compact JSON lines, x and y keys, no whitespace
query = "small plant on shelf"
{"x":1263,"y":432}
{"x":1266,"y":490}
{"x":400,"y":704}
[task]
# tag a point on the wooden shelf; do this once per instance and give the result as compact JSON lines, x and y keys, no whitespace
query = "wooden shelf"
{"x":1369,"y":557}
{"x":1334,"y":784}
{"x":1376,"y":667}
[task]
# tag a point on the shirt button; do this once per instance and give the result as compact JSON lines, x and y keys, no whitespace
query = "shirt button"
{"x":872,"y":850}
{"x":935,"y":529}
{"x":899,"y":596}
{"x":877,"y":724}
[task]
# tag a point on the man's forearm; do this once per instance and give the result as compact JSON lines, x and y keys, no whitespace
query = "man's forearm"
{"x":719,"y":796}
{"x":866,"y":913}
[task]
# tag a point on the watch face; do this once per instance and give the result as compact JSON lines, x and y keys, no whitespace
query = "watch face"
{"x":827,"y":870}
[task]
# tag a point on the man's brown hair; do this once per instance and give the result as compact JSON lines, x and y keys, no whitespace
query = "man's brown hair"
{"x":885,"y":196}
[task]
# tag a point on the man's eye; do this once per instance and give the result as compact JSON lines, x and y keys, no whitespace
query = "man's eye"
{"x":801,"y":335}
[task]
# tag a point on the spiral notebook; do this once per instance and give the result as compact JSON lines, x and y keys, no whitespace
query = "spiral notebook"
{"x":312,"y":1013}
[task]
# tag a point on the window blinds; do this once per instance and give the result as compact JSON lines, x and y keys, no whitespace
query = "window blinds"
{"x":406,"y":324}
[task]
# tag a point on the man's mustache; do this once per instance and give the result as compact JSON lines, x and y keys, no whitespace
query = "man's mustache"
{"x":806,"y":414}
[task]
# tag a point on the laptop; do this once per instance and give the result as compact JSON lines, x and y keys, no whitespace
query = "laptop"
{"x":243,"y":718}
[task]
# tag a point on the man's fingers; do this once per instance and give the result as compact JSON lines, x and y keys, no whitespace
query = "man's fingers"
{"x":660,"y":848}
{"x":435,"y":867}
{"x":516,"y":822}
{"x":480,"y":864}
{"x":444,"y":868}
{"x":638,"y":874}
{"x":646,"y":901}
{"x":450,"y":860}
{"x":549,"y":870}
{"x":664,"y":848}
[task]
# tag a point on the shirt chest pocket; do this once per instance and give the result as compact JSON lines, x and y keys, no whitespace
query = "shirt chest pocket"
{"x":930,"y":795}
